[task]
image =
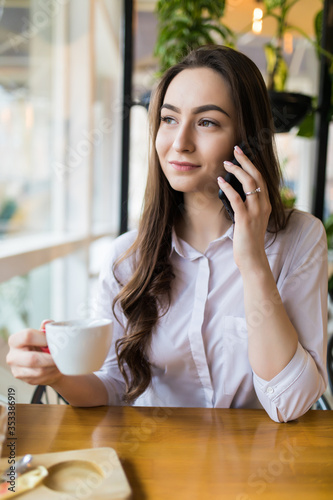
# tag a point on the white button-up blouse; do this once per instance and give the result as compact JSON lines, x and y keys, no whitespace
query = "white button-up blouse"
{"x":198,"y":352}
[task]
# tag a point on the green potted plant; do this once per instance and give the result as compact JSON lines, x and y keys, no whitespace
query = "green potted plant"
{"x":187,"y":24}
{"x":289,"y":108}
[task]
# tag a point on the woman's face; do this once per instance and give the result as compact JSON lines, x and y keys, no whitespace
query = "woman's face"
{"x":197,"y":130}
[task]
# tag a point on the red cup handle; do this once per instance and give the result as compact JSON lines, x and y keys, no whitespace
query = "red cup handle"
{"x":45,"y":349}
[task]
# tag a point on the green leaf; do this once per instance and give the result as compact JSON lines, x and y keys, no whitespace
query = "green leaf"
{"x":288,"y":197}
{"x":330,"y":284}
{"x":318,"y":26}
{"x":168,"y":9}
{"x":216,"y":9}
{"x":328,"y":224}
{"x":281,"y":75}
{"x":277,"y":68}
{"x":307,"y":126}
{"x":270,"y":53}
{"x":283,"y":5}
{"x":225,"y":33}
{"x":273,"y":4}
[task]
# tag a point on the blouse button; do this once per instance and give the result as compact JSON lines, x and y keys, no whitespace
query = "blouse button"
{"x":269,"y":390}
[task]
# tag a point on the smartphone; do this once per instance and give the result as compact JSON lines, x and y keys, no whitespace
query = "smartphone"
{"x":234,"y":182}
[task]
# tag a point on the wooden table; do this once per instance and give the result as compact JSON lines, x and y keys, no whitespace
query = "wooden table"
{"x":185,"y":453}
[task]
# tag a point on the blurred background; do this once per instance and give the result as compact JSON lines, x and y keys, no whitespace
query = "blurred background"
{"x":62,"y":114}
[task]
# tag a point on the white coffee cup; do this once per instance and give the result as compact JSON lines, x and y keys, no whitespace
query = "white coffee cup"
{"x":79,"y":346}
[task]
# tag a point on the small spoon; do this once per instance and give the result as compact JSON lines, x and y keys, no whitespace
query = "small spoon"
{"x":19,"y":468}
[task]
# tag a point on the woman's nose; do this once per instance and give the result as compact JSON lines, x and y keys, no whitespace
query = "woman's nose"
{"x":184,"y":140}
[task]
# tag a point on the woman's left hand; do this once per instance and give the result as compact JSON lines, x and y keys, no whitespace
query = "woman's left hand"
{"x":251,"y":216}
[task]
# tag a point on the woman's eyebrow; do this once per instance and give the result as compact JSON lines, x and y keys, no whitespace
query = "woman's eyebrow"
{"x":199,"y":109}
{"x":209,"y":107}
{"x":172,"y":108}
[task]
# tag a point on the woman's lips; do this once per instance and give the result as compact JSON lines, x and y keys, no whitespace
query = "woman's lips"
{"x":183,"y":165}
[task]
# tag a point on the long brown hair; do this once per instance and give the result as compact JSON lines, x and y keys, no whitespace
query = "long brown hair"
{"x":146,"y":296}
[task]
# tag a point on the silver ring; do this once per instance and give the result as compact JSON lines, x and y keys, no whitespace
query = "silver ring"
{"x":253,"y":192}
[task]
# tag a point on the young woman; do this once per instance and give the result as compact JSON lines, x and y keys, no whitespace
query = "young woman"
{"x":207,"y":312}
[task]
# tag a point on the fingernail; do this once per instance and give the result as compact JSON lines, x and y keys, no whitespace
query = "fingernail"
{"x":228,"y":163}
{"x":238,"y":150}
{"x":221,"y":180}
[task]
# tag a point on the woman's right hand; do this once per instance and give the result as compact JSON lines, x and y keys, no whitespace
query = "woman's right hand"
{"x":28,"y":362}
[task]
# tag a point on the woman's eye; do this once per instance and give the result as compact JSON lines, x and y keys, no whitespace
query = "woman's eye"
{"x":207,"y":123}
{"x":168,"y":120}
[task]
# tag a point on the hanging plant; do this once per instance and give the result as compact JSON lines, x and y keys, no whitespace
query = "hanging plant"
{"x":277,"y":68}
{"x":289,"y":108}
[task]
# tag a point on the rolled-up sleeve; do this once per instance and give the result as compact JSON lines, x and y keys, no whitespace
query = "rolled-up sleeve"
{"x":294,"y":390}
{"x":303,"y":289}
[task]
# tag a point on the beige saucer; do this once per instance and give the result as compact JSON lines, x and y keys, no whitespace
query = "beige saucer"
{"x":93,"y":474}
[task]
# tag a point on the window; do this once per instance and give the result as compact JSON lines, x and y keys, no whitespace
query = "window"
{"x":60,"y":130}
